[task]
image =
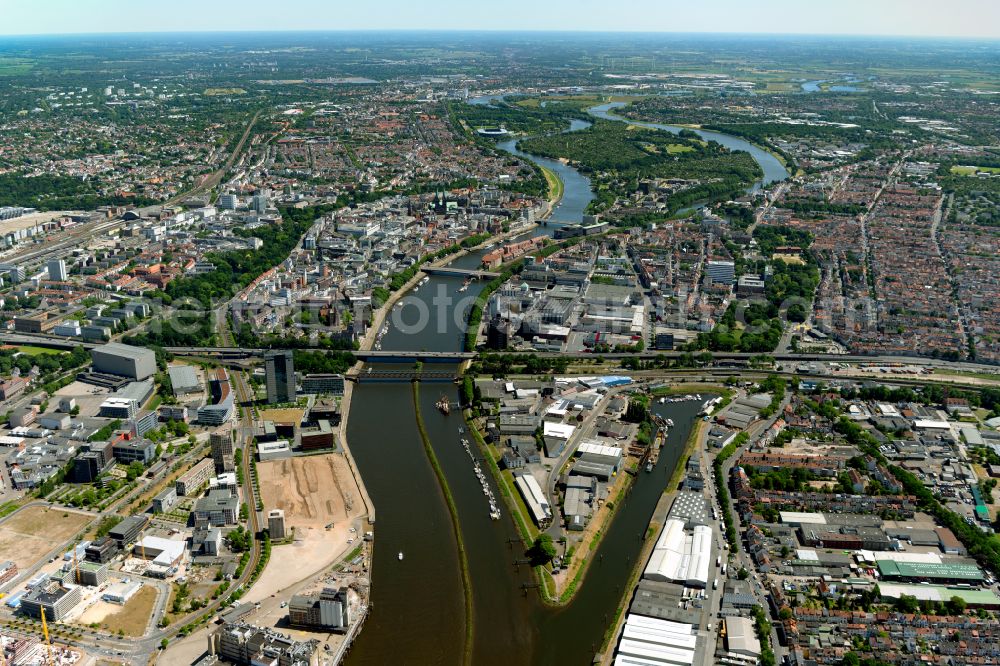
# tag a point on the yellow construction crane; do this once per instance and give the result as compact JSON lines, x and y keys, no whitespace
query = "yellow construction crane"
{"x":48,"y":641}
{"x":76,"y":568}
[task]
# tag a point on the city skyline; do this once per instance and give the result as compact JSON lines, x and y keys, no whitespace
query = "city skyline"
{"x":914,"y":18}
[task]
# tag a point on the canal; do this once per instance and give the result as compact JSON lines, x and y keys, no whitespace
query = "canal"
{"x":417,"y":613}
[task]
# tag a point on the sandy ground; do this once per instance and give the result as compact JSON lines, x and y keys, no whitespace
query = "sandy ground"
{"x":185,"y":651}
{"x":31,"y":534}
{"x":313,"y":491}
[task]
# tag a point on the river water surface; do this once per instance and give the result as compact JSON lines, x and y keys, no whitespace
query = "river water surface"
{"x":417,"y":614}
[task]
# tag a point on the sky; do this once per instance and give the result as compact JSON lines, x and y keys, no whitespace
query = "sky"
{"x":946,"y":18}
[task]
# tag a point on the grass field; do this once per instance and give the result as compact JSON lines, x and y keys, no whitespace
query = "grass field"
{"x":218,"y":92}
{"x":970,"y":170}
{"x":37,"y":351}
{"x":986,"y":376}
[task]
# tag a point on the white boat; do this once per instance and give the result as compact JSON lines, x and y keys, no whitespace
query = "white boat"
{"x":662,"y":400}
{"x":400,"y":555}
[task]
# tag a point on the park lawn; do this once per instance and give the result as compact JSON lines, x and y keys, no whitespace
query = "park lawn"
{"x":37,"y":351}
{"x":970,"y":170}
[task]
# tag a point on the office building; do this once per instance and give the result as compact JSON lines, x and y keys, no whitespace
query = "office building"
{"x":223,"y":400}
{"x":323,"y":384}
{"x":165,"y":501}
{"x":173,"y":413}
{"x":88,"y":467}
{"x":247,"y":644}
{"x":316,"y":437}
{"x":280,"y":376}
{"x":118,"y":408}
{"x":120,"y":593}
{"x":720,"y":272}
{"x":276,"y":524}
{"x":259,"y":204}
{"x":127,"y":530}
{"x":273,"y":450}
{"x":103,"y":550}
{"x":228,"y":202}
{"x":222,"y":451}
{"x":144,"y":422}
{"x":132,"y":450}
{"x":86,"y":573}
{"x":53,"y":596}
{"x":57,"y":270}
{"x":218,"y":508}
{"x":191,"y":481}
{"x":124,"y":360}
{"x":206,"y":541}
{"x":225,"y":481}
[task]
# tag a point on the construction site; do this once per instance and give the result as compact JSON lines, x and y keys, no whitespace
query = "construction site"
{"x":323,"y":508}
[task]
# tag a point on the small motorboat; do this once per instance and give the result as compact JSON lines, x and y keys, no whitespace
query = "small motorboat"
{"x":401,"y":556}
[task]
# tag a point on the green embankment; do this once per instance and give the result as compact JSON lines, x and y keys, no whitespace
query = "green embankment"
{"x":456,"y":529}
{"x":555,"y":185}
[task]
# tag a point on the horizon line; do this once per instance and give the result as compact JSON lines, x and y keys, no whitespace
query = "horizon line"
{"x":580,"y":31}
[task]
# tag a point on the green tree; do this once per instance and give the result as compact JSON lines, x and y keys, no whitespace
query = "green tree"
{"x":542,"y":550}
{"x":134,"y":470}
{"x":907,"y":604}
{"x":956,"y":606}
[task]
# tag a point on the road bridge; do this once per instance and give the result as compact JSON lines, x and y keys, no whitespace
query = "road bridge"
{"x":460,"y":272}
{"x":374,"y":375}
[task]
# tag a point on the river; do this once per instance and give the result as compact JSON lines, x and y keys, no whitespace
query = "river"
{"x":417,"y":603}
{"x":416,"y":615}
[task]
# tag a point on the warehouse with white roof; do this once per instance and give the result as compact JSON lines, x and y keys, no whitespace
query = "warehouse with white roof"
{"x":681,"y":556}
{"x":534,"y":499}
{"x":647,"y":641}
